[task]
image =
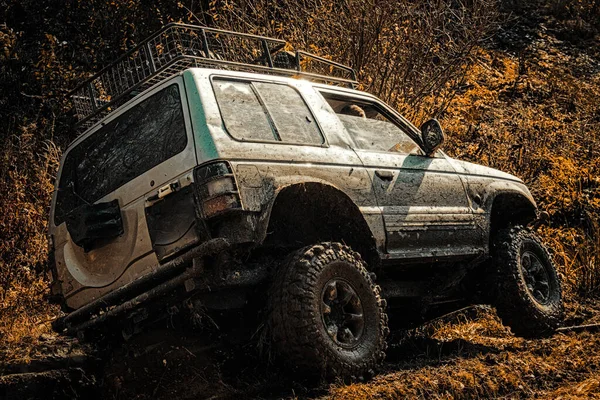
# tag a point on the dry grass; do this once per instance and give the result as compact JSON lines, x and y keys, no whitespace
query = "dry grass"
{"x":413,"y":55}
{"x":529,"y":105}
{"x":486,"y":361}
{"x":24,"y":310}
{"x":543,"y":125}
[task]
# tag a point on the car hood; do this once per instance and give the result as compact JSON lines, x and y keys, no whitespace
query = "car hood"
{"x":480,"y":170}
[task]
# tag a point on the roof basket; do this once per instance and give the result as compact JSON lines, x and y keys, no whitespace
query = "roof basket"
{"x":177,"y":47}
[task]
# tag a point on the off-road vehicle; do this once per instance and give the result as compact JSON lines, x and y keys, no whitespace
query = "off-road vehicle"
{"x":220,"y":169}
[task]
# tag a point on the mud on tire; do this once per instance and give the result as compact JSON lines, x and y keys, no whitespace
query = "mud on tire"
{"x":528,"y":292}
{"x":326,"y":316}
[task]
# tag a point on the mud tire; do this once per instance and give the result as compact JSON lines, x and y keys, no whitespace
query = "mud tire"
{"x":516,"y":304}
{"x":297,"y":324}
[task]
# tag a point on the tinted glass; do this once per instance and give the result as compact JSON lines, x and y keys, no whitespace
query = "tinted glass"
{"x":133,"y":143}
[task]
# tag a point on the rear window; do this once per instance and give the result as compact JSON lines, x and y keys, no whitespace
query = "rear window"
{"x":259,"y":111}
{"x":139,"y":139}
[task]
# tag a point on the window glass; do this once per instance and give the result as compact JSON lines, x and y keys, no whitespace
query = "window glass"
{"x":131,"y":144}
{"x":265,"y":111}
{"x":370,"y":128}
{"x":291,"y":116}
{"x":244,"y":117}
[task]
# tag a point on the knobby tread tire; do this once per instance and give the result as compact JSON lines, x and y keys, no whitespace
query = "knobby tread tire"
{"x":295,"y":323}
{"x":515,"y":306}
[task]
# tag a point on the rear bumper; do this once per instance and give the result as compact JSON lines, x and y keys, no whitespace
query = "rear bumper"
{"x":194,"y":272}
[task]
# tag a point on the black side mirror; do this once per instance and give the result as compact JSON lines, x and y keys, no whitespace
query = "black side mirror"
{"x":432,"y":136}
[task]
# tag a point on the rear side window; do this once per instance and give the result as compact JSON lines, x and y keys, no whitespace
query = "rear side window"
{"x":138,"y":140}
{"x":244,"y":116}
{"x":258,"y":111}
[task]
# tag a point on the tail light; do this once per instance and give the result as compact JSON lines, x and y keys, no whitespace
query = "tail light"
{"x":216,"y":190}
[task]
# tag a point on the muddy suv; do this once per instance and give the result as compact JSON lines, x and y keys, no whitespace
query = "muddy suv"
{"x":211,"y":179}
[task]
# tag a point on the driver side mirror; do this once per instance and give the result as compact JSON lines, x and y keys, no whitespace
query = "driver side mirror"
{"x":432,"y":136}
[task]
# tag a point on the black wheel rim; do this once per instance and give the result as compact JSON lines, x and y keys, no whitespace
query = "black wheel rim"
{"x":342,"y":313}
{"x":536,"y":277}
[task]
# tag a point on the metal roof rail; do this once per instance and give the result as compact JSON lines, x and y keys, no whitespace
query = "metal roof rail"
{"x":177,"y":47}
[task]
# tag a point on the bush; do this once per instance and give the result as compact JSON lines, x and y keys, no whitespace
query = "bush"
{"x":414,"y":55}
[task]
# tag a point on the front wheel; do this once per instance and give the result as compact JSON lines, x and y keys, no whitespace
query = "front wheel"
{"x":528,"y":292}
{"x":327,"y":317}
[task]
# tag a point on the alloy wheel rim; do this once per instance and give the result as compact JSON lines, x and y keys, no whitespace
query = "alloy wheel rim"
{"x":342,"y":313}
{"x":536,"y":277}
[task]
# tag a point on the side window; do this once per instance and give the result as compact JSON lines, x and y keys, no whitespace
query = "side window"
{"x":369,"y":127}
{"x":136,"y":141}
{"x":291,"y":116}
{"x":265,"y":112}
{"x":244,"y":116}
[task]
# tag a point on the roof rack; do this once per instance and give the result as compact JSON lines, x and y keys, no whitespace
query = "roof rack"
{"x":177,"y":47}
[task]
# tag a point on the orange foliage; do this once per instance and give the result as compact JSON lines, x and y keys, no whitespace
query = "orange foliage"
{"x":529,"y":106}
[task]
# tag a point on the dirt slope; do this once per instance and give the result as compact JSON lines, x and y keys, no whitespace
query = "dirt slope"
{"x":468,"y":354}
{"x":480,"y":359}
{"x":529,"y":105}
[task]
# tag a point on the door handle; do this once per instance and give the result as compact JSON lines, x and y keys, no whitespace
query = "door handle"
{"x":385,"y":175}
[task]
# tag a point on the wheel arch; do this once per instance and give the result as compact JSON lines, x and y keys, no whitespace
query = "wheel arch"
{"x":306,"y":213}
{"x":511,"y":208}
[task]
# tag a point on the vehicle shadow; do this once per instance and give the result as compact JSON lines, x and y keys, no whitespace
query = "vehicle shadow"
{"x":173,"y":363}
{"x":412,"y":352}
{"x":198,"y":363}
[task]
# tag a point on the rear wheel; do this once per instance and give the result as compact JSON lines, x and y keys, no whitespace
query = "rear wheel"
{"x":326,"y":315}
{"x":528,"y":292}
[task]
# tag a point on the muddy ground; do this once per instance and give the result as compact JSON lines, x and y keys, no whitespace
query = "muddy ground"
{"x":468,"y":354}
{"x":529,"y":106}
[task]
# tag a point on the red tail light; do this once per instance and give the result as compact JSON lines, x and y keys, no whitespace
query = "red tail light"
{"x":216,"y":189}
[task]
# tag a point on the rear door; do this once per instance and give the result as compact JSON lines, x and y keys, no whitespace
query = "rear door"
{"x":423,"y":201}
{"x":139,"y":150}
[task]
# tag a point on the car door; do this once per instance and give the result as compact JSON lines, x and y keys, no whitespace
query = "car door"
{"x":424,"y":206}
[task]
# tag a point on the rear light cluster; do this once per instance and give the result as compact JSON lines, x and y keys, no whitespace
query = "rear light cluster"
{"x":216,"y":191}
